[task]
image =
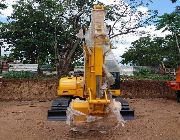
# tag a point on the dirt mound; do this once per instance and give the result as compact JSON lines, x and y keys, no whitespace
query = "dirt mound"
{"x":146,"y":89}
{"x":26,"y":89}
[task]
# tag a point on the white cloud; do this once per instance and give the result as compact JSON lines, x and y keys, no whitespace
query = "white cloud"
{"x":153,"y":32}
{"x":9,"y":9}
{"x":126,"y":40}
{"x":107,"y":2}
{"x":142,"y":9}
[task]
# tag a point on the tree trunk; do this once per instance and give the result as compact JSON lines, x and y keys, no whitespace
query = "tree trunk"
{"x":177,"y":43}
{"x":65,"y":62}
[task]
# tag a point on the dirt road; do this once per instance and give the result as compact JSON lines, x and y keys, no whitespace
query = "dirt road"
{"x":156,"y":119}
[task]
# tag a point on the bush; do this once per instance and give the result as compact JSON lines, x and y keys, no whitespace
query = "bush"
{"x":144,"y":72}
{"x":19,"y":74}
{"x":147,"y":74}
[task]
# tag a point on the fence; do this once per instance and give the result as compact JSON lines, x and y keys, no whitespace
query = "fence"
{"x":130,"y":70}
{"x":124,"y":70}
{"x":23,"y":67}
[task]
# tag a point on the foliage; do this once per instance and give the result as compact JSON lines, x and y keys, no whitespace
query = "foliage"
{"x":20,"y":74}
{"x":127,"y":16}
{"x":149,"y":51}
{"x":144,"y":72}
{"x":169,"y":22}
{"x":45,"y":31}
{"x":153,"y":77}
{"x":153,"y":51}
{"x":28,"y":32}
{"x":2,"y":5}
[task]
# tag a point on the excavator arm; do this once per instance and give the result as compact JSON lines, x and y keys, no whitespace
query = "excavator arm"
{"x":91,"y":95}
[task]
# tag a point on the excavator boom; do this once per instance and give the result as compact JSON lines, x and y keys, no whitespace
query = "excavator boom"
{"x":91,"y":95}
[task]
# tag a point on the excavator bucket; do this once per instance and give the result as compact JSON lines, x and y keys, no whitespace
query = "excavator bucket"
{"x":84,"y":122}
{"x":58,"y":109}
{"x":60,"y":105}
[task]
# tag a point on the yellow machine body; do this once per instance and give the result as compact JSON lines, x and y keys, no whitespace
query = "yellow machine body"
{"x":91,"y":94}
{"x":74,"y":86}
{"x":71,"y":86}
{"x":115,"y":92}
{"x":89,"y":87}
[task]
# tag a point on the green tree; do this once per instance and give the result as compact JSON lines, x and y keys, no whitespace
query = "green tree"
{"x":148,"y":51}
{"x":127,"y":16}
{"x":144,"y":52}
{"x":170,"y":22}
{"x":37,"y":29}
{"x":2,"y":5}
{"x":44,"y":31}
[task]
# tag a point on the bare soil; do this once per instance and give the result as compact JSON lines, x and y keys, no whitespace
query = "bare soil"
{"x":156,"y":119}
{"x":28,"y":89}
{"x":24,"y":104}
{"x":43,"y":90}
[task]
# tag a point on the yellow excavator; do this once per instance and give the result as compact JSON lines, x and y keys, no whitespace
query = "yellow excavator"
{"x":92,"y":93}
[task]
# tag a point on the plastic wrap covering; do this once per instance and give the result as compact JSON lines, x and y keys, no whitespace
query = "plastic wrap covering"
{"x":98,"y":23}
{"x":89,"y":37}
{"x":111,"y":63}
{"x":112,"y":120}
{"x":97,"y":29}
{"x":109,"y":77}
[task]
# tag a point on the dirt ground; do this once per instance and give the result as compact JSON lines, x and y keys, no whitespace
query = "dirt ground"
{"x":26,"y":89}
{"x":156,"y":119}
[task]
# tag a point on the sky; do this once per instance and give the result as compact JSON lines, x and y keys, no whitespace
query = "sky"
{"x":163,"y":6}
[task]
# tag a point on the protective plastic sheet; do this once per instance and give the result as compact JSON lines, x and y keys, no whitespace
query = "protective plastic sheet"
{"x":112,"y":120}
{"x":97,"y":36}
{"x":111,"y":63}
{"x":97,"y":29}
{"x":109,"y":77}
